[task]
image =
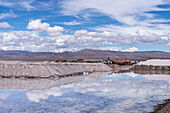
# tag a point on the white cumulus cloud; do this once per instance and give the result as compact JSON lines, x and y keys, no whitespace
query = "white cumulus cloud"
{"x":131,"y":49}
{"x":38,"y":26}
{"x":54,"y":31}
{"x":5,"y":25}
{"x":59,"y":42}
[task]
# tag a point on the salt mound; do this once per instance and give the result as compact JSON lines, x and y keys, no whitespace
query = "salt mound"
{"x":156,"y":62}
{"x":47,"y":69}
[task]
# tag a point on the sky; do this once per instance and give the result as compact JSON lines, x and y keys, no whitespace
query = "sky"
{"x":73,"y":25}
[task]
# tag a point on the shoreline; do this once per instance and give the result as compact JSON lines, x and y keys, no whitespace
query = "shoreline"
{"x":163,"y":107}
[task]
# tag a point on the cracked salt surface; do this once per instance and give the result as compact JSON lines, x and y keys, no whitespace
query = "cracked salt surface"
{"x":113,"y":93}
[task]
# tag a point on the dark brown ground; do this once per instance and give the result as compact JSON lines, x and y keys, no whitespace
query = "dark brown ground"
{"x":163,"y":108}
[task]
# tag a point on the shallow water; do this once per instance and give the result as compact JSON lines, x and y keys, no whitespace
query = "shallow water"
{"x":106,"y":93}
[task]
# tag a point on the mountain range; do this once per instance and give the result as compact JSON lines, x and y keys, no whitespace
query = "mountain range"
{"x":82,"y":54}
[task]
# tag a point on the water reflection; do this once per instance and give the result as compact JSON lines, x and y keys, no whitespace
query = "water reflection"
{"x":111,"y":93}
{"x":40,"y":84}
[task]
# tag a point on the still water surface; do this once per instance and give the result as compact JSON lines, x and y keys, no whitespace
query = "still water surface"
{"x":125,"y":92}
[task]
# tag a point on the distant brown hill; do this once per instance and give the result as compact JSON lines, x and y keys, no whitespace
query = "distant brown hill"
{"x":83,"y":54}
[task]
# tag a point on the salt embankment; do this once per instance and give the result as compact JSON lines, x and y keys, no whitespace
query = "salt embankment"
{"x":19,"y":69}
{"x":153,"y":64}
{"x":151,"y":72}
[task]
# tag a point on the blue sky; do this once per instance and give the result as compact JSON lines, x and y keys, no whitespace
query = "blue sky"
{"x":72,"y":25}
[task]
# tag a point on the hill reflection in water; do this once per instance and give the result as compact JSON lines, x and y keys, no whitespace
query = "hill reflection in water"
{"x":111,"y":93}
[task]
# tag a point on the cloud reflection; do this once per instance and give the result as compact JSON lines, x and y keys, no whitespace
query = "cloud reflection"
{"x":107,"y":94}
{"x":36,"y":96}
{"x":4,"y":95}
